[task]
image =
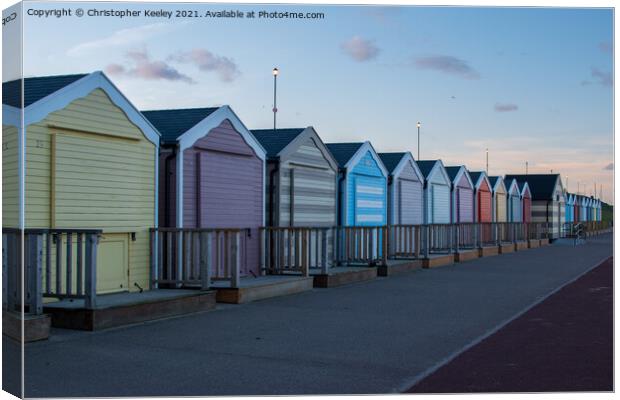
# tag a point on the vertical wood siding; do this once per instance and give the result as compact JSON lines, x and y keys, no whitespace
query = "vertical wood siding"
{"x":462,"y":201}
{"x":104,"y":177}
{"x":366,"y":194}
{"x":437,"y":199}
{"x":313,"y":191}
{"x":223,"y":188}
{"x":484,"y":205}
{"x":499,"y":206}
{"x":407,"y":199}
{"x":527,"y":209}
{"x":10,"y":177}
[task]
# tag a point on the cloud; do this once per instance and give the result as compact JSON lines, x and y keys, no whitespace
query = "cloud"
{"x":145,"y":68}
{"x":360,"y":49}
{"x":609,"y":167}
{"x":209,"y":62}
{"x":122,"y":37}
{"x":605,"y":47}
{"x":601,"y":77}
{"x":448,"y":65}
{"x":505,"y":107}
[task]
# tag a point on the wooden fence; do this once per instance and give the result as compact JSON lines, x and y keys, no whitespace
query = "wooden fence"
{"x":288,"y":250}
{"x":195,"y":257}
{"x":57,"y":263}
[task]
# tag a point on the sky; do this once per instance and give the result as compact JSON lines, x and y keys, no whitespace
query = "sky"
{"x":532,"y":85}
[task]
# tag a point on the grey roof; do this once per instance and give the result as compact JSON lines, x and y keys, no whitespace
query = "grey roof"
{"x":275,"y":141}
{"x":541,"y":185}
{"x":35,"y":88}
{"x":173,"y":123}
{"x":493,"y":180}
{"x":426,"y":166}
{"x":391,"y":160}
{"x":453,"y":171}
{"x":475,"y":175}
{"x":343,"y":152}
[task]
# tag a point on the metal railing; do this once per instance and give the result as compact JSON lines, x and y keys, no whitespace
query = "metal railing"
{"x":195,"y":257}
{"x":57,"y":263}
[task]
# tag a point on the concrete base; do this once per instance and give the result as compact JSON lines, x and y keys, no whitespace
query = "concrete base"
{"x":129,"y":308}
{"x":487,"y":251}
{"x":544,"y":242}
{"x":398,"y":266}
{"x":521,"y":246}
{"x":264,"y":289}
{"x":466,"y":255}
{"x":506,"y":248}
{"x":36,"y":327}
{"x":339,"y":276}
{"x":434,"y":261}
{"x":533,"y":243}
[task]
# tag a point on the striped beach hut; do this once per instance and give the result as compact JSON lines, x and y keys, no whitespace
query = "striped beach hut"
{"x":547,"y":200}
{"x":499,"y":191}
{"x":211,"y":175}
{"x":436,"y":192}
{"x":462,"y":195}
{"x":405,"y":189}
{"x":526,"y":201}
{"x":89,"y":162}
{"x":482,"y":196}
{"x":301,"y":178}
{"x":514,"y":201}
{"x":362,"y":184}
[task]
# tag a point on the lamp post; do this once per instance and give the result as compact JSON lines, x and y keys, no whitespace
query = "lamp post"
{"x":487,"y":165}
{"x":418,"y":125}
{"x":275,"y":73}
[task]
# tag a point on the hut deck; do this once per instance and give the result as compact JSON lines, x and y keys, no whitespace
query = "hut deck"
{"x":338,"y":276}
{"x":466,"y":255}
{"x":262,"y":287}
{"x":126,"y":308}
{"x":506,"y":248}
{"x":398,"y":266}
{"x":438,"y":260}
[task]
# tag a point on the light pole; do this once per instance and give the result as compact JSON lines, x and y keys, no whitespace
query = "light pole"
{"x":419,"y":125}
{"x":275,"y":73}
{"x":487,"y":154}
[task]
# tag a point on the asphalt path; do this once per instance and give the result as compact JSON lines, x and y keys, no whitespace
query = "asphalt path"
{"x":381,"y":336}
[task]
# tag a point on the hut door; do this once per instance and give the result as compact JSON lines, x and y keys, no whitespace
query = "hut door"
{"x":77,"y":200}
{"x":408,"y":196}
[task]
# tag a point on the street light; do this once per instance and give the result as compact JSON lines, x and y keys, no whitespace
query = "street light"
{"x":275,"y":73}
{"x":419,"y":125}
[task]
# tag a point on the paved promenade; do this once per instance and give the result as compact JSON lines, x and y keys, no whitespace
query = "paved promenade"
{"x":375,"y":337}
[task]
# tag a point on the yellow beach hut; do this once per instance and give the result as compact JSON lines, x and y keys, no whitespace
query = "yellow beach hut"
{"x":89,"y":163}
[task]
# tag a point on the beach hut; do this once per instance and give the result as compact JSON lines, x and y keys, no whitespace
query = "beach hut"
{"x":362,"y":184}
{"x":514,"y":201}
{"x":90,"y":162}
{"x":436,"y":192}
{"x":547,"y":200}
{"x":500,"y":213}
{"x":405,"y":189}
{"x":576,"y":208}
{"x":570,"y":208}
{"x":211,"y":175}
{"x":301,"y":178}
{"x":482,"y":196}
{"x":526,"y":201}
{"x":583,"y":210}
{"x":462,"y":195}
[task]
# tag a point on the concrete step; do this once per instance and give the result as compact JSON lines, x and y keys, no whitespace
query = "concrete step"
{"x":438,"y":260}
{"x":36,"y":327}
{"x":398,"y":266}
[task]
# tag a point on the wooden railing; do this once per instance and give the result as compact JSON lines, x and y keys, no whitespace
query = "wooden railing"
{"x":57,"y":263}
{"x":287,"y":250}
{"x":195,"y":257}
{"x":361,"y":245}
{"x":405,"y":241}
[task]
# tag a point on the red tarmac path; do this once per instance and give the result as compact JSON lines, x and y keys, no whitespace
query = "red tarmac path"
{"x":563,"y":344}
